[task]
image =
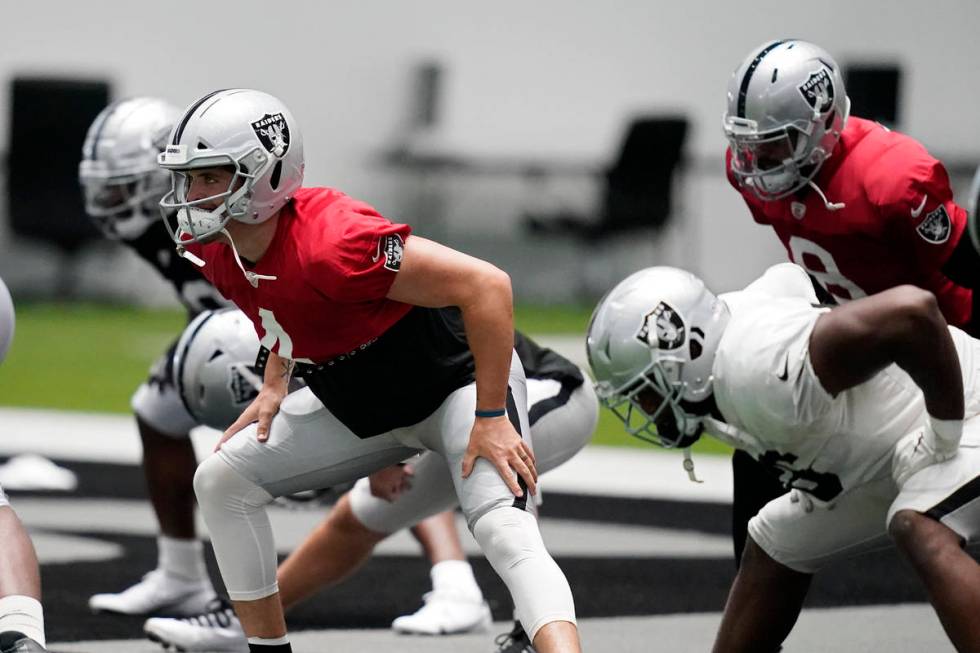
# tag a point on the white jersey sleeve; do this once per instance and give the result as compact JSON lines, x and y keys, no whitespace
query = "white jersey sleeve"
{"x":780,"y":280}
{"x":765,"y":385}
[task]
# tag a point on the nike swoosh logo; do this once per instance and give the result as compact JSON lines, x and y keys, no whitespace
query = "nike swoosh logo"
{"x":785,"y":374}
{"x":916,"y":212}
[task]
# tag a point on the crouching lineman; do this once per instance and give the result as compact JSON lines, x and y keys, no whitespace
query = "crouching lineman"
{"x":871,"y":409}
{"x":217,"y":380}
{"x":21,"y":614}
{"x":123,"y":186}
{"x":404,"y":345}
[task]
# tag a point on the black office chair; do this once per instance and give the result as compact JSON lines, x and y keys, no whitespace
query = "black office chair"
{"x":637,"y":189}
{"x":49,"y":118}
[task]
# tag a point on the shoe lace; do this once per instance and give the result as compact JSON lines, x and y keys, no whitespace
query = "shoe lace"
{"x":219,"y":614}
{"x":509,"y":642}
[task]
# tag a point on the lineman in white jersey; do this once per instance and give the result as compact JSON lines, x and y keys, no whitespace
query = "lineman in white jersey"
{"x":123,"y":185}
{"x":21,"y":614}
{"x":216,"y":380}
{"x":870,"y":412}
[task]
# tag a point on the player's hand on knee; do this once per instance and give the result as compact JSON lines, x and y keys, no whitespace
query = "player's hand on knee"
{"x":390,"y":482}
{"x":495,"y":439}
{"x":261,"y":410}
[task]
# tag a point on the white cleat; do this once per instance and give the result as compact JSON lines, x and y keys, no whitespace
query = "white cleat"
{"x":32,"y":472}
{"x":217,"y":629}
{"x":158,"y":593}
{"x":445,"y":613}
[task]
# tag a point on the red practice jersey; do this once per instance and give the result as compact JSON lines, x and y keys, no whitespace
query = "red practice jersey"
{"x":899,"y":224}
{"x":334,"y":259}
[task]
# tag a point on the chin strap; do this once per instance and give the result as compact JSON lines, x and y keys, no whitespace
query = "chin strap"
{"x":689,"y":466}
{"x":183,"y":253}
{"x":831,"y":206}
{"x":252,"y":277}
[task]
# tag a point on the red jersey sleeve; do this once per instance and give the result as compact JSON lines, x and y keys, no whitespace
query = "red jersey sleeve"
{"x":912,"y":192}
{"x":359,"y":254}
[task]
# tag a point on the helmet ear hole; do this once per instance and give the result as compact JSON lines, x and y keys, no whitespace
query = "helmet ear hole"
{"x":695,"y":349}
{"x":276,"y":175}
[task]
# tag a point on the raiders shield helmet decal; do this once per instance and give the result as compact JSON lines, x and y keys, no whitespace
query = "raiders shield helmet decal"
{"x":393,"y":247}
{"x":936,"y":226}
{"x":818,"y":90}
{"x":665,"y":325}
{"x":273,"y":133}
{"x":243,"y":389}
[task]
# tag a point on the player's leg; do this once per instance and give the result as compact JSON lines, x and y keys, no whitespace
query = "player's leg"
{"x":789,"y":540}
{"x":753,"y":486}
{"x":763,"y":604}
{"x":359,"y":520}
{"x":950,"y":575}
{"x":21,"y":614}
{"x":179,"y":584}
{"x":505,"y":526}
{"x":935,"y":513}
{"x":562,"y":415}
{"x":307,"y":448}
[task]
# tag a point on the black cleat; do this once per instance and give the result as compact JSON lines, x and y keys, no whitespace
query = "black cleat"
{"x":516,"y":641}
{"x":12,"y":641}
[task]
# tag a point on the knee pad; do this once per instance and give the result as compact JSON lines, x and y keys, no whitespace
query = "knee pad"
{"x":233,"y":507}
{"x":512,"y":543}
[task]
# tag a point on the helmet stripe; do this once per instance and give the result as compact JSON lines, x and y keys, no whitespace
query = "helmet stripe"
{"x":181,"y":354}
{"x":93,"y":148}
{"x":744,"y":87}
{"x":190,"y":112}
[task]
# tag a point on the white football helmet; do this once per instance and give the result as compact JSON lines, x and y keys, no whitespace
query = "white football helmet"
{"x":786,"y":110}
{"x":6,"y":320}
{"x":214,"y":367}
{"x":119,"y":174}
{"x":651,"y":344}
{"x":252,"y":133}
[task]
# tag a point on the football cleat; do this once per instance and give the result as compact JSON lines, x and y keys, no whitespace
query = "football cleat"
{"x":216,"y":629}
{"x":445,"y":613}
{"x":158,"y":593}
{"x":12,"y":641}
{"x":28,"y":472}
{"x":516,"y":641}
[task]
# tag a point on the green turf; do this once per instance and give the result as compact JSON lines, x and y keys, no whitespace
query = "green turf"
{"x":91,"y":357}
{"x":83,"y":356}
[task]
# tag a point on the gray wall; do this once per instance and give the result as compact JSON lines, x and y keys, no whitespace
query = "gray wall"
{"x":549,"y":79}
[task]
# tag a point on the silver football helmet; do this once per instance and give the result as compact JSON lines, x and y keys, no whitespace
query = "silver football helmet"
{"x":651,"y":345}
{"x":250,"y":132}
{"x":119,"y":174}
{"x":786,"y":110}
{"x":213,"y":367}
{"x":6,"y":320}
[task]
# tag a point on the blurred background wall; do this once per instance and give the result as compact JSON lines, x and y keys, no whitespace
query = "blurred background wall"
{"x":463,"y":118}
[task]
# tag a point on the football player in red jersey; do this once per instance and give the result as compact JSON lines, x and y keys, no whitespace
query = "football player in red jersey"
{"x":404,"y":345}
{"x":860,"y":207}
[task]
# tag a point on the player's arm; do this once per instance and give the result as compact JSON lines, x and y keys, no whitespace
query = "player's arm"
{"x":903,"y":325}
{"x":435,"y":276}
{"x":275,"y":387}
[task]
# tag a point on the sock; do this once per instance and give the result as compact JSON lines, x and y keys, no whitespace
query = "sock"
{"x":182,"y":558}
{"x":23,"y":614}
{"x":456,"y":577}
{"x":277,"y":645}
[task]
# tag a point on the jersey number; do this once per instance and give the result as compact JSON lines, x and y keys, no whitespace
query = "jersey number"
{"x":821,"y":485}
{"x":274,"y":333}
{"x":820,"y":265}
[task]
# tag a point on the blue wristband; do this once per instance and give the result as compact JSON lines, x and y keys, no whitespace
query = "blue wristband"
{"x":499,"y":412}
